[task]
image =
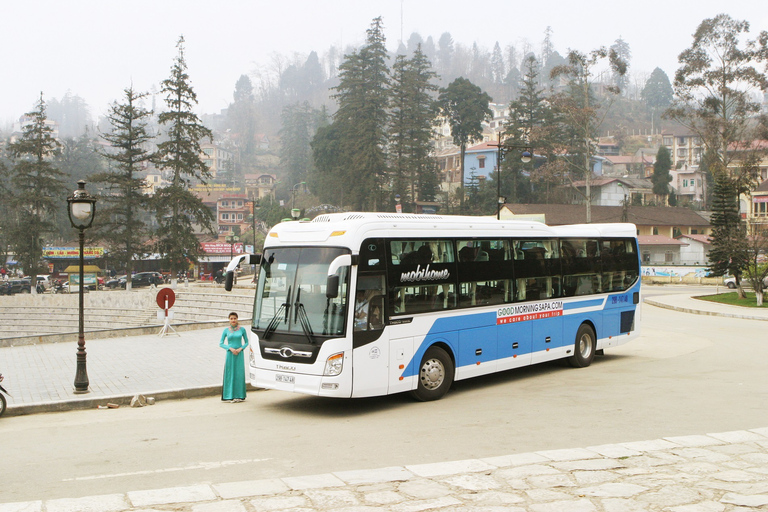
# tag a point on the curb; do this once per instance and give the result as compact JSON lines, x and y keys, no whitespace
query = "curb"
{"x":663,"y":305}
{"x":79,"y":404}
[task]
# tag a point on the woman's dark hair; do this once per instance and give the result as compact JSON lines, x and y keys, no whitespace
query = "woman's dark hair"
{"x":232,"y":313}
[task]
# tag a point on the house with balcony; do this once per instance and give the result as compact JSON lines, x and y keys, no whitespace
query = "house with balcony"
{"x":233,"y":214}
{"x":757,"y":215}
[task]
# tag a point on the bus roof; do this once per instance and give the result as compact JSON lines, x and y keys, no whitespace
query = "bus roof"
{"x":349,"y":229}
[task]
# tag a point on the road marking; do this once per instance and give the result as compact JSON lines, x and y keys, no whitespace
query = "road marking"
{"x":201,"y":465}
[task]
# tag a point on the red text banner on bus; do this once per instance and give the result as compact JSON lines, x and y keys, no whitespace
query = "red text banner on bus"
{"x":530,"y":311}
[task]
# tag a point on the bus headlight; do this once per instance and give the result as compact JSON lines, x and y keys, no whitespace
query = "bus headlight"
{"x":252,"y":357}
{"x":334,"y":364}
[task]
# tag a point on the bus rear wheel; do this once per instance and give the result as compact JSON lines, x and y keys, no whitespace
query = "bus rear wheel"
{"x":435,"y":375}
{"x":584,"y":348}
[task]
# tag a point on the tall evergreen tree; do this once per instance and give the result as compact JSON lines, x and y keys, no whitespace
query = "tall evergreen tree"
{"x":465,"y":106}
{"x":299,"y":126}
{"x":657,"y":95}
{"x":661,"y":176}
{"x":36,"y":190}
{"x":728,"y":254}
{"x":413,"y":112}
{"x":530,"y":123}
{"x":124,"y":203}
{"x":179,"y":210}
{"x":361,"y":119}
{"x":242,"y":118}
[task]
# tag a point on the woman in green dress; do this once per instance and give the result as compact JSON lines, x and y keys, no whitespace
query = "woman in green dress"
{"x":234,"y":339}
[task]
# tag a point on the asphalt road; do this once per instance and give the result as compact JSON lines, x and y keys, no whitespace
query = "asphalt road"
{"x":686,"y":374}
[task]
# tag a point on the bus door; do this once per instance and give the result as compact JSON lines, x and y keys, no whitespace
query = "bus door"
{"x":369,"y":340}
{"x":537,"y":277}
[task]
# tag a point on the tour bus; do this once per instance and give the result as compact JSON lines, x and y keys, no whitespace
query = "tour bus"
{"x":366,"y":304}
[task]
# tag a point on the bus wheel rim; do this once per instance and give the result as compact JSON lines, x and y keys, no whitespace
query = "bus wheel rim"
{"x":585,"y":345}
{"x":432,"y":374}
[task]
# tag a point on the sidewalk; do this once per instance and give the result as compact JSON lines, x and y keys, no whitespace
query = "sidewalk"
{"x":712,"y":472}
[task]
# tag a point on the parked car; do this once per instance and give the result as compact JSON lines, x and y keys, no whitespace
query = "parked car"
{"x":145,"y":279}
{"x":15,"y":286}
{"x":116,"y":282}
{"x":730,"y":282}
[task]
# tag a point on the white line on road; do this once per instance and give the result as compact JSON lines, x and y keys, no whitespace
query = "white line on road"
{"x":201,"y":465}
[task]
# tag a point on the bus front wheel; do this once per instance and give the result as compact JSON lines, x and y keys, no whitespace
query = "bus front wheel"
{"x":435,"y":375}
{"x":584,"y":348}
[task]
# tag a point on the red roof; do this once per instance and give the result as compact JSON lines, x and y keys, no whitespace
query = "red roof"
{"x":704,"y":239}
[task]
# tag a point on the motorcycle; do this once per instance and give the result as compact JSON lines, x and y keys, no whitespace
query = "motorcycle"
{"x":3,"y":403}
{"x":58,"y":286}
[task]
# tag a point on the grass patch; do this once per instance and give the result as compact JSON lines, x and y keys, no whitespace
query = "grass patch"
{"x":732,"y":298}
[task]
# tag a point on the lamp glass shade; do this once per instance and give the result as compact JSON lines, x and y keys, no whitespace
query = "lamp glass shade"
{"x":526,"y":157}
{"x":81,"y":211}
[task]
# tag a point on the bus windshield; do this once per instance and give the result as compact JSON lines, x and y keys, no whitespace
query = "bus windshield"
{"x":291,"y":293}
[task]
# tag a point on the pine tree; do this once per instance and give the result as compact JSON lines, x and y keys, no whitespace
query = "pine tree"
{"x":728,"y":254}
{"x":413,"y":112}
{"x":361,"y":120}
{"x":179,"y":210}
{"x":530,"y":123}
{"x":124,"y":203}
{"x":661,"y":176}
{"x":36,"y":190}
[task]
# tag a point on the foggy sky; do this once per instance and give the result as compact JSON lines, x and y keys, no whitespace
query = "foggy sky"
{"x":97,"y":48}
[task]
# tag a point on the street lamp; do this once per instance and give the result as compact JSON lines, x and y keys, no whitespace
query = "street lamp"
{"x":293,"y":194}
{"x":82,"y":208}
{"x":295,"y":213}
{"x":503,"y":147}
{"x":232,"y":240}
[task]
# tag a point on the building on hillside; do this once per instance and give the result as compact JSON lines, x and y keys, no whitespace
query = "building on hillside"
{"x":657,"y":226}
{"x":233,"y":214}
{"x":608,"y":146}
{"x":260,"y":186}
{"x":17,"y":129}
{"x":689,"y":184}
{"x":635,"y":166}
{"x":217,"y":159}
{"x":613,"y":191}
{"x":685,"y":148}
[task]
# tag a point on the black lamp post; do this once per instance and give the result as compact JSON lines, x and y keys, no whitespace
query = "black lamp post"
{"x":82,"y":208}
{"x":504,"y":147}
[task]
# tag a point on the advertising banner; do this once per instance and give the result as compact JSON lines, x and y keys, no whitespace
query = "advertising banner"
{"x":221,"y":248}
{"x":72,"y":252}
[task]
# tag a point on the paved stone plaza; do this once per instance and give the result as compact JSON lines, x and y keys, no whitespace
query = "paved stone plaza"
{"x":697,"y":473}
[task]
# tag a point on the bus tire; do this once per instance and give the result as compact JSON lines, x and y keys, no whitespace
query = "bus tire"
{"x":584,"y":348}
{"x":435,"y":375}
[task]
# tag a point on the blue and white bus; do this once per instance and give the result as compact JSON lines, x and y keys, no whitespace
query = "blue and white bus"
{"x":366,"y":304}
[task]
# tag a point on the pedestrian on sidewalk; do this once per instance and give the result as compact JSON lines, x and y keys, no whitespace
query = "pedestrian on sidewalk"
{"x":234,"y":340}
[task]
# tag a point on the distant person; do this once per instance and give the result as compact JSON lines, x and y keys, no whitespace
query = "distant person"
{"x":234,"y":340}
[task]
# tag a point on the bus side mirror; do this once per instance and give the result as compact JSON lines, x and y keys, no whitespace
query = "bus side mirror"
{"x":229,"y":280}
{"x":332,"y":286}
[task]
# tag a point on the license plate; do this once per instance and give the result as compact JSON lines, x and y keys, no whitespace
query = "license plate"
{"x":288,"y":379}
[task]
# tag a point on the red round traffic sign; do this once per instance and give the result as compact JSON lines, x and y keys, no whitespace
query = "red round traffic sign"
{"x":162,"y":295}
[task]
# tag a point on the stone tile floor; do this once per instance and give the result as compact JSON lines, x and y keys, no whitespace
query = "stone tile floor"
{"x":721,"y":472}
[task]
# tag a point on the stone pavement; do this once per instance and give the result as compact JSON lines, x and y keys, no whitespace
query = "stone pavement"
{"x":712,"y":472}
{"x":697,"y":473}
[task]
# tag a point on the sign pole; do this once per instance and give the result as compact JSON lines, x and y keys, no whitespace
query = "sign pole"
{"x":165,"y":299}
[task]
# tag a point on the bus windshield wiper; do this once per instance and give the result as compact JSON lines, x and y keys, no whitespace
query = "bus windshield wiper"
{"x":284,"y":310}
{"x":300,"y":313}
